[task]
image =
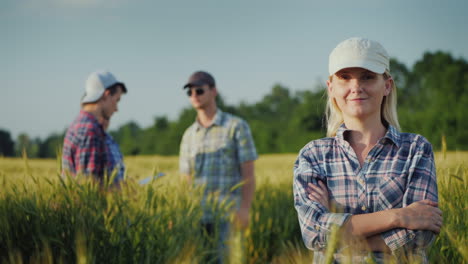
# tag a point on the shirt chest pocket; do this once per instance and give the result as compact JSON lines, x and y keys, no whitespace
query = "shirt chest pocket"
{"x":392,"y":189}
{"x":226,"y":153}
{"x":220,"y":151}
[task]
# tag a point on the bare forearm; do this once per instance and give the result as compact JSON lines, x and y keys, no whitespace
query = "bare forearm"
{"x":422,"y":215}
{"x":367,"y":225}
{"x":362,"y":232}
{"x":248,"y":189}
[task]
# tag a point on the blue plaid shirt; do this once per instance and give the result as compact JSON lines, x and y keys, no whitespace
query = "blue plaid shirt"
{"x":115,"y":158}
{"x":214,"y":155}
{"x":398,"y":171}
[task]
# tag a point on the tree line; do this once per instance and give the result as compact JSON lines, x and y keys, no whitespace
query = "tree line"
{"x":432,"y":97}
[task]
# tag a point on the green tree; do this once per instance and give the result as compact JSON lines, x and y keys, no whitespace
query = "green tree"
{"x":440,"y":89}
{"x":432,"y":97}
{"x":7,"y":146}
{"x":50,"y":147}
{"x":128,"y":137}
{"x":25,"y":144}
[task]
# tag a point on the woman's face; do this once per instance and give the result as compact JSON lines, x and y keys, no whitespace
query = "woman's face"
{"x":358,"y":92}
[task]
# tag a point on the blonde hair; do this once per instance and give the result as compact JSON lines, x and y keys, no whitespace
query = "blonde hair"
{"x":388,"y":112}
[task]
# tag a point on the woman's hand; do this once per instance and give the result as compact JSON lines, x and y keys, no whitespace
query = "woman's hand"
{"x":422,"y":215}
{"x":319,"y":194}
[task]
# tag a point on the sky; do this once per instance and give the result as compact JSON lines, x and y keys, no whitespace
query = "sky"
{"x":49,"y":47}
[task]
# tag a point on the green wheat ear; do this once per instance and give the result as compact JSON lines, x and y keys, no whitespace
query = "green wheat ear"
{"x":444,"y":147}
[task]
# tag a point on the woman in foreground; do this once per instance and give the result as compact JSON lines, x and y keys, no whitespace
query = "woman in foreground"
{"x":375,"y":184}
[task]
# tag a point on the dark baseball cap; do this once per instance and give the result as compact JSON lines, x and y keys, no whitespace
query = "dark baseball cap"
{"x":200,"y":78}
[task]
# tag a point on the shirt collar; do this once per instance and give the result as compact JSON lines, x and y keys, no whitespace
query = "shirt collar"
{"x":340,"y":132}
{"x":392,"y":134}
{"x":89,"y":116}
{"x":216,"y":121}
{"x":92,"y":118}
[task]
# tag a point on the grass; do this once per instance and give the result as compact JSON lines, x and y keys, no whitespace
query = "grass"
{"x":47,"y":219}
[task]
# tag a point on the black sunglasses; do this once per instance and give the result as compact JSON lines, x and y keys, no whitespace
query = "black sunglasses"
{"x":198,"y":91}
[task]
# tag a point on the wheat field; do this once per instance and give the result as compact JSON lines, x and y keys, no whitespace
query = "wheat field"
{"x":47,"y":219}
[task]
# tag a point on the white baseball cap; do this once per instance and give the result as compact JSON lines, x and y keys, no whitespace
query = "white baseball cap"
{"x":97,"y":83}
{"x":361,"y":53}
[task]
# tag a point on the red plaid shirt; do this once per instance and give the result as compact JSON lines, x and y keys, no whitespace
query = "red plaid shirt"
{"x":84,"y":147}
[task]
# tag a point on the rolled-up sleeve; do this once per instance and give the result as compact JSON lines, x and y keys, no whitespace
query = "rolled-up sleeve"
{"x":184,"y":155}
{"x":245,"y":144}
{"x":315,"y":220}
{"x":421,"y":185}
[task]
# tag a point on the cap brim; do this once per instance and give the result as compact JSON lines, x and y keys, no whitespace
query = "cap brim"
{"x":194,"y":84}
{"x":373,"y":67}
{"x":91,"y":98}
{"x":124,"y":88}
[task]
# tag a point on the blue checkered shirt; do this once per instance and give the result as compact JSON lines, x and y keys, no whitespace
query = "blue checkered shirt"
{"x":214,"y":155}
{"x":115,"y":158}
{"x":398,"y":171}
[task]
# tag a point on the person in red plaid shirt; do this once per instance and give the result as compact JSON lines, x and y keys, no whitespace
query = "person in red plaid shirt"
{"x":374,"y":184}
{"x":84,"y":147}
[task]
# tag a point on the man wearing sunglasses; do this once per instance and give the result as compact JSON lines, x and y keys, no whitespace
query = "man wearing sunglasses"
{"x":218,"y":152}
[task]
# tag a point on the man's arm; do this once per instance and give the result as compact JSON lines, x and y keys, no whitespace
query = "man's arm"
{"x":91,"y":155}
{"x":184,"y":159}
{"x":248,"y":191}
{"x":246,"y":155}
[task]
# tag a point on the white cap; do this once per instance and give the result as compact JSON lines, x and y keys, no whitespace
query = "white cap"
{"x":361,"y":53}
{"x":97,"y":83}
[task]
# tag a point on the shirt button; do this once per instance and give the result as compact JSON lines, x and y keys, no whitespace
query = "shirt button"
{"x":363,"y":208}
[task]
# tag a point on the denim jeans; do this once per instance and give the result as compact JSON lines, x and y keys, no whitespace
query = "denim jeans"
{"x":216,"y":239}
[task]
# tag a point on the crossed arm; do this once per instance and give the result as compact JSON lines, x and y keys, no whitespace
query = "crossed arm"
{"x":421,"y":215}
{"x":410,"y":227}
